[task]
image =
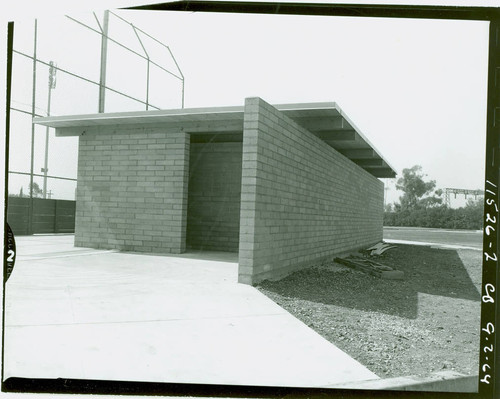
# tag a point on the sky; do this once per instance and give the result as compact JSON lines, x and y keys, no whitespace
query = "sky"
{"x":415,"y":88}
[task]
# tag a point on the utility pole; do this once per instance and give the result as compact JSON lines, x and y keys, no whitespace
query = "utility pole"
{"x":52,"y":85}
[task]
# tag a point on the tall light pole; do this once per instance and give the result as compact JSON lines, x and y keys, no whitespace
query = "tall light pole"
{"x":52,"y":85}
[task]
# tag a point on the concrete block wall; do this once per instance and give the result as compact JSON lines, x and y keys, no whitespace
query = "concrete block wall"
{"x":214,"y":196}
{"x":301,"y":200}
{"x":132,"y":189}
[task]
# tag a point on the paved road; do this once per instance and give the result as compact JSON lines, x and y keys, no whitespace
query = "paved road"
{"x":468,"y":238}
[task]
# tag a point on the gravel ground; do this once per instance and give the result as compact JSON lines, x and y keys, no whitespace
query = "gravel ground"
{"x":425,"y":323}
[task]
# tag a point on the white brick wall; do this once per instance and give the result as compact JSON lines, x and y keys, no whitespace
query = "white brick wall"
{"x":132,"y":190}
{"x":302,"y":201}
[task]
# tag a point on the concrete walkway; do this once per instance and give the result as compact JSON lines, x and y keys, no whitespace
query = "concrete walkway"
{"x":88,"y":314}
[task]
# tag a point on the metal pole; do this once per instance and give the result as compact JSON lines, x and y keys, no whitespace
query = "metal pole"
{"x":179,"y":69}
{"x":147,"y":89}
{"x":183,"y":92}
{"x":84,"y":79}
{"x":33,"y":104}
{"x":148,"y":64}
{"x":104,"y":56}
{"x":46,"y":163}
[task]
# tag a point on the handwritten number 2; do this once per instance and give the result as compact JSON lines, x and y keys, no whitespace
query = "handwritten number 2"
{"x":492,"y":257}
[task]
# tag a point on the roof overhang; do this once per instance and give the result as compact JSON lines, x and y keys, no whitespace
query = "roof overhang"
{"x":325,"y":120}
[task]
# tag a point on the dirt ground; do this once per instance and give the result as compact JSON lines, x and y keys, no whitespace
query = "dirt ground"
{"x":428,"y":322}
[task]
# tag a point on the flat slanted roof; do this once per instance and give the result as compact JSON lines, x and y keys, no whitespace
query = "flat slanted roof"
{"x":325,"y":120}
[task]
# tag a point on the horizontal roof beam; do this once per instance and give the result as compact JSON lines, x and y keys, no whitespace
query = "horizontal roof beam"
{"x":381,"y":172}
{"x":236,"y":137}
{"x":336,"y":135}
{"x":322,"y":124}
{"x":189,"y":127}
{"x":369,"y":162}
{"x":365,"y":153}
{"x":203,"y":127}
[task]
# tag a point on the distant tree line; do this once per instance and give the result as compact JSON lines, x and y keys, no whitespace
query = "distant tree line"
{"x":422,"y":206}
{"x":37,"y":192}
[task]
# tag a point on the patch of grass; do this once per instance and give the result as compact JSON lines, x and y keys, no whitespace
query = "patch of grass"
{"x":428,"y":322}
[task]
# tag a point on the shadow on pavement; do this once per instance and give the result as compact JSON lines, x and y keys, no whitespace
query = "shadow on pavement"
{"x":427,"y":270}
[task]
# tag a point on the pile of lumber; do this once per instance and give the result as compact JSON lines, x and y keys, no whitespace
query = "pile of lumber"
{"x":369,"y":266}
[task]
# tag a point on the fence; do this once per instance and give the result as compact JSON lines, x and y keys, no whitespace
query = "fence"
{"x":43,"y":214}
{"x":40,"y":216}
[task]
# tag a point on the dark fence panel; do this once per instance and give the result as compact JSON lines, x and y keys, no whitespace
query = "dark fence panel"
{"x":47,"y":216}
{"x":18,"y":215}
{"x":65,"y":216}
{"x":44,"y":216}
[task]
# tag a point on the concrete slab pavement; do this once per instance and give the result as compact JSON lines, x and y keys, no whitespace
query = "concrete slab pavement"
{"x":104,"y":315}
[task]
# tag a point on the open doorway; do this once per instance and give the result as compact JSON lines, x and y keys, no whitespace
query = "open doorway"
{"x":213,"y":216}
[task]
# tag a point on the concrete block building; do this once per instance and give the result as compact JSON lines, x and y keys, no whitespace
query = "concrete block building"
{"x":284,"y":186}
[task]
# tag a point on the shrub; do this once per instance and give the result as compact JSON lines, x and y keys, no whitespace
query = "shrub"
{"x":469,"y":217}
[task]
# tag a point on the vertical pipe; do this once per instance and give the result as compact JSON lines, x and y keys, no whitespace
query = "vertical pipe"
{"x":147,"y":88}
{"x":182,"y":92}
{"x":33,"y":105}
{"x":104,"y":57}
{"x":55,"y":217}
{"x":46,"y":161}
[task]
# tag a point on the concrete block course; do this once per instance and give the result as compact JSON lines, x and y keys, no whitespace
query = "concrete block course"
{"x":310,"y":201}
{"x":118,"y":191}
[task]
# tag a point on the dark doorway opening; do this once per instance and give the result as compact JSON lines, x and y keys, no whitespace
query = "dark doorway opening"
{"x":213,"y":216}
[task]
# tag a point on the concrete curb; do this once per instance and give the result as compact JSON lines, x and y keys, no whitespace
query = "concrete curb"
{"x":442,"y":381}
{"x":431,"y":229}
{"x":430,"y":244}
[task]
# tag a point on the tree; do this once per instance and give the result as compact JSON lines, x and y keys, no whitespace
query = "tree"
{"x":37,"y":191}
{"x":474,"y":209}
{"x":415,"y":189}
